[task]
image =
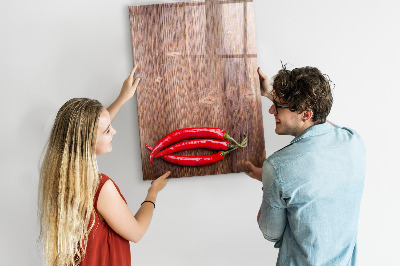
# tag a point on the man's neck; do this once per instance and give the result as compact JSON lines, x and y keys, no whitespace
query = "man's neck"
{"x":305,"y":126}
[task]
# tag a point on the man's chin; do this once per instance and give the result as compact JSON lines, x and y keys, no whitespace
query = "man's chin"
{"x":278,"y":131}
{"x":281,"y":132}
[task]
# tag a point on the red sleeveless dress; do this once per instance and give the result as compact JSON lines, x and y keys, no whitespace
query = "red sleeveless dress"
{"x":105,"y":247}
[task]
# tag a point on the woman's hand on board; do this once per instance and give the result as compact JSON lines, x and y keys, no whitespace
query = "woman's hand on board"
{"x":129,"y":86}
{"x":158,"y":184}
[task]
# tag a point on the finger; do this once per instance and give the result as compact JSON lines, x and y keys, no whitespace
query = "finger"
{"x":133,"y":71}
{"x":136,"y":82}
{"x":164,"y":176}
{"x":261,"y":73}
{"x":249,"y":165}
{"x":251,"y":174}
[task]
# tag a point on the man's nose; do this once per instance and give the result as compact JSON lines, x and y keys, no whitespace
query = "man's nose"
{"x":272,"y":110}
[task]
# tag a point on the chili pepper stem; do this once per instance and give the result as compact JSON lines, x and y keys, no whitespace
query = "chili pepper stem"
{"x":242,"y":145}
{"x":230,"y":138}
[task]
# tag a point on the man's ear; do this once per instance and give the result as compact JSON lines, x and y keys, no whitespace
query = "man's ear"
{"x":306,"y":115}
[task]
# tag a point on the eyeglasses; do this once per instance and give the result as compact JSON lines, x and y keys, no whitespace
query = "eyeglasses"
{"x":278,"y":106}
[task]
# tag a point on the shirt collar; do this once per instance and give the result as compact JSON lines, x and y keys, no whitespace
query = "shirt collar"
{"x":314,"y":131}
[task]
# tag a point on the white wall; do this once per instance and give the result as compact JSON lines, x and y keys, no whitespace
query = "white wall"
{"x":51,"y":51}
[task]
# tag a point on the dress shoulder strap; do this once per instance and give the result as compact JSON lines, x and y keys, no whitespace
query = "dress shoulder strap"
{"x":103,"y":179}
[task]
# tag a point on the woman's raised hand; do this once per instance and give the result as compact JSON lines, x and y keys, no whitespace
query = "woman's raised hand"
{"x":129,"y":86}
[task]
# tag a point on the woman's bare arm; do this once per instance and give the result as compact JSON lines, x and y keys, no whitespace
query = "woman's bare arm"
{"x":118,"y":216}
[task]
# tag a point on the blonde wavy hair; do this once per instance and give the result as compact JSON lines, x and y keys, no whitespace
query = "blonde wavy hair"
{"x":68,"y":182}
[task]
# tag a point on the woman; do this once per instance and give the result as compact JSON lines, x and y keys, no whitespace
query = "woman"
{"x":84,"y":219}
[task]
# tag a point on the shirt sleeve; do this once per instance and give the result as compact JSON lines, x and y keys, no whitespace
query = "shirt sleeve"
{"x":273,"y":217}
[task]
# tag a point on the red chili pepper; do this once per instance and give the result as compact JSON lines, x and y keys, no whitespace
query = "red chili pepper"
{"x":187,"y":133}
{"x":193,"y":160}
{"x":211,"y":144}
{"x":199,"y":160}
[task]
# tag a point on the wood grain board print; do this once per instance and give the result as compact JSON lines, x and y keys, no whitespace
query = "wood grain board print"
{"x":198,"y":67}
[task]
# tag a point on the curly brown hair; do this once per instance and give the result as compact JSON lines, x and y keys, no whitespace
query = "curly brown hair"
{"x":304,"y":88}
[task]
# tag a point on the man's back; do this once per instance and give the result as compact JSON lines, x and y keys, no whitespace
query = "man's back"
{"x":313,"y":188}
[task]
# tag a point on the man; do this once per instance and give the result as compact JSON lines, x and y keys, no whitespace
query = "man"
{"x":312,"y":187}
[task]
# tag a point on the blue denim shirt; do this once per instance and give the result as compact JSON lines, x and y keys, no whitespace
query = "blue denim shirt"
{"x":311,"y":197}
